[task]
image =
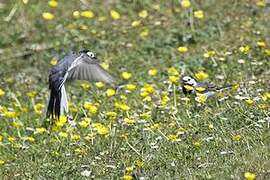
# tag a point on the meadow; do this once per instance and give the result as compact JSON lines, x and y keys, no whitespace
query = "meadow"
{"x":148,"y":129}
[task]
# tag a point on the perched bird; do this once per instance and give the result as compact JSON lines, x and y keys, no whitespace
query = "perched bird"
{"x":81,"y":66}
{"x":191,"y":86}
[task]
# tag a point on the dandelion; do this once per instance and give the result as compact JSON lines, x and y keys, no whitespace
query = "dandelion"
{"x":53,"y":3}
{"x":174,"y":79}
{"x":39,"y":108}
{"x":199,"y":14}
{"x":40,"y":130}
{"x":61,"y":122}
{"x":31,"y":94}
{"x":261,"y":44}
{"x":85,"y":122}
{"x":249,"y":176}
{"x":200,"y":98}
{"x":63,"y":134}
{"x":201,"y":75}
{"x":126,"y":75}
{"x":110,"y":92}
{"x":135,"y":23}
{"x":144,"y":33}
{"x":111,"y":114}
{"x":124,"y":107}
{"x":249,"y":101}
{"x":129,"y":121}
{"x":87,"y":14}
{"x":104,"y":65}
{"x":92,"y":108}
{"x":131,"y":87}
{"x":152,"y":72}
{"x":2,"y":92}
{"x":172,"y":71}
{"x":236,"y":137}
{"x":129,"y":169}
{"x":47,"y":16}
{"x":99,"y":84}
{"x":115,"y":15}
{"x":127,"y":177}
{"x":244,"y":49}
{"x":103,"y":130}
{"x":143,"y":14}
{"x":209,"y":54}
{"x":182,"y":49}
{"x":53,"y":61}
{"x":185,"y":3}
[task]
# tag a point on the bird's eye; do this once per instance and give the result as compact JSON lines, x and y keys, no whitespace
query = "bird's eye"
{"x":90,"y":54}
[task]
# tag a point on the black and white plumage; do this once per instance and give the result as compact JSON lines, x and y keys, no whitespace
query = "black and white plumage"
{"x":190,"y":85}
{"x":73,"y":66}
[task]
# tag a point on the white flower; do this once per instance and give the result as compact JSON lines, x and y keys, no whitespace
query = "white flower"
{"x":86,"y":173}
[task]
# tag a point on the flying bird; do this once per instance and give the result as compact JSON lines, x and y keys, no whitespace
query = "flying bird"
{"x":191,"y":85}
{"x":73,"y":66}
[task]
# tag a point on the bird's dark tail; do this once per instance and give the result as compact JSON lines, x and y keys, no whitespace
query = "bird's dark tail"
{"x":54,"y":105}
{"x":225,"y":87}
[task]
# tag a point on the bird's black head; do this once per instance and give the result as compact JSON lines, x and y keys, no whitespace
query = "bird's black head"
{"x":88,"y":53}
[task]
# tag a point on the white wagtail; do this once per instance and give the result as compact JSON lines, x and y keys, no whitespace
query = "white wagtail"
{"x":81,"y":66}
{"x":191,"y":85}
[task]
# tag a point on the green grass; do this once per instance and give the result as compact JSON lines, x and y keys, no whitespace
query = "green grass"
{"x":192,"y":142}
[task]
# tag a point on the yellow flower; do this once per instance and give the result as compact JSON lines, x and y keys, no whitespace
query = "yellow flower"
{"x":11,"y":139}
{"x":40,"y":130}
{"x":102,"y":18}
{"x":110,"y":92}
{"x":144,"y":33}
{"x":92,"y":108}
{"x":2,"y":92}
{"x":244,"y":49}
{"x":103,"y":130}
{"x":172,"y":71}
{"x":17,"y":124}
{"x":146,"y":116}
{"x":31,"y":93}
{"x":85,"y":85}
{"x":129,"y":120}
{"x":53,"y":3}
{"x":147,"y":99}
{"x":249,"y":176}
{"x":155,"y":126}
{"x":236,"y":137}
{"x":172,"y":137}
{"x":2,"y":162}
{"x":185,"y":3}
{"x":10,"y":114}
{"x":182,"y":49}
{"x":152,"y":72}
{"x":129,"y":169}
{"x":197,"y":144}
{"x":173,"y":79}
{"x":209,"y":54}
{"x":1,"y":138}
{"x":61,"y":122}
{"x":164,"y":99}
{"x":115,"y":15}
{"x":267,"y":51}
{"x":104,"y":65}
{"x":135,"y":23}
{"x":211,"y":126}
{"x":261,"y":44}
{"x":99,"y":84}
{"x":85,"y":122}
{"x":53,"y":61}
{"x":199,"y":14}
{"x":76,"y":14}
{"x":75,"y":137}
{"x":25,"y":1}
{"x":39,"y":108}
{"x":147,"y":89}
{"x":126,"y":75}
{"x":88,"y":14}
{"x":200,"y":98}
{"x":124,"y":107}
{"x":63,"y":134}
{"x":201,"y":75}
{"x":131,"y":87}
{"x":111,"y":114}
{"x":30,"y":139}
{"x":249,"y":101}
{"x":261,"y":3}
{"x":47,"y":16}
{"x":139,"y":163}
{"x":143,"y":14}
{"x":266,"y":96}
{"x":127,"y":177}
